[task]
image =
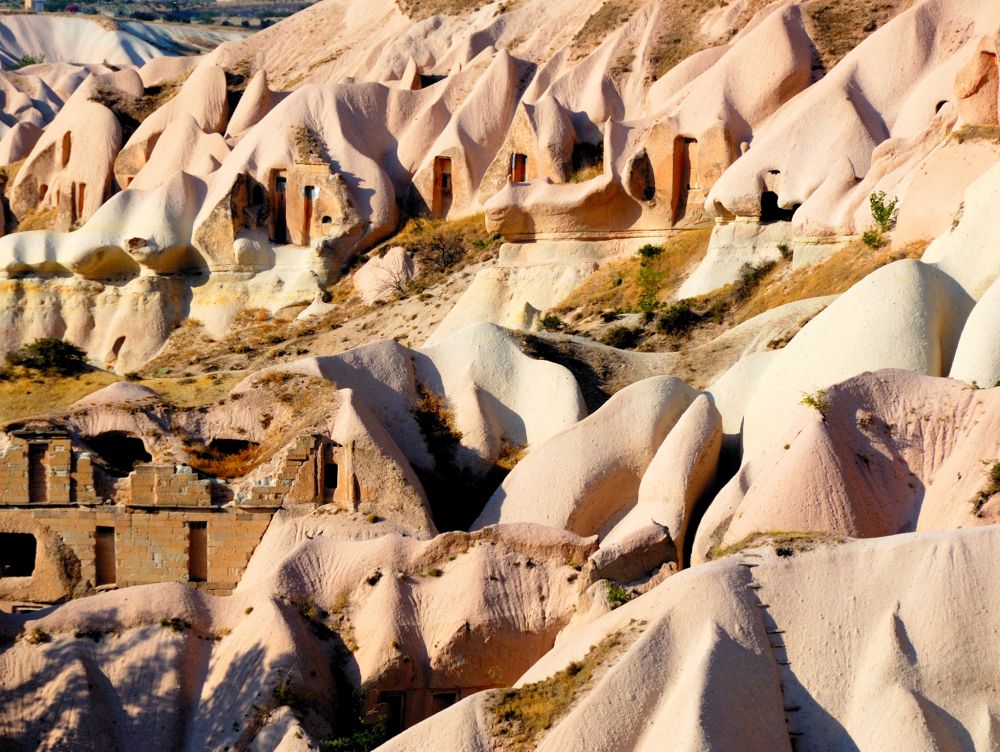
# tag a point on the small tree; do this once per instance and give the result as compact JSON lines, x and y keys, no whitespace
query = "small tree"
{"x":50,"y":356}
{"x":884,"y":213}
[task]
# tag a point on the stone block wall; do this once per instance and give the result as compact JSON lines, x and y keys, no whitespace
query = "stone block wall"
{"x":168,"y":486}
{"x":150,"y":546}
{"x":68,"y":475}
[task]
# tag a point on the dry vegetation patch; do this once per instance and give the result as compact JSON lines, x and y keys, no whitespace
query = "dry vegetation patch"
{"x":596,"y":28}
{"x":421,"y":9}
{"x":442,"y":248}
{"x":521,"y":716}
{"x":784,"y":543}
{"x":131,"y":111}
{"x":834,"y":275}
{"x":677,"y":36}
{"x":26,"y":393}
{"x":617,"y":286}
{"x":838,"y":26}
{"x":647,"y":283}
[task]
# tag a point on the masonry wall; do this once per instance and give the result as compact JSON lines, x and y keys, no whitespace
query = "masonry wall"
{"x":150,"y":546}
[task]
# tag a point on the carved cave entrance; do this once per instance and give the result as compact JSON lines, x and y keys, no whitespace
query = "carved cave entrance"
{"x":17,"y":554}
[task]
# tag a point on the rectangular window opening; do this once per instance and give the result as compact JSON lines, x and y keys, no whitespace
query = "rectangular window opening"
{"x":442,"y":700}
{"x":104,"y":557}
{"x":17,"y":554}
{"x":198,"y":551}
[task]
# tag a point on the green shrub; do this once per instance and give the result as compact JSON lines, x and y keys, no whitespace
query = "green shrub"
{"x":621,"y":338}
{"x":991,"y":490}
{"x":25,"y":61}
{"x":786,"y":251}
{"x":873,"y":238}
{"x":50,"y":356}
{"x":817,"y":400}
{"x":679,"y":318}
{"x":750,"y":278}
{"x":175,"y":624}
{"x":38,"y":636}
{"x":649,"y":278}
{"x":552,"y":323}
{"x":884,"y":213}
{"x":616,"y":595}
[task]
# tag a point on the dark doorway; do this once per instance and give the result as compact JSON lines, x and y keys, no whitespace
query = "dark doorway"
{"x":17,"y":554}
{"x":117,"y":347}
{"x":119,"y":451}
{"x":393,"y":706}
{"x":309,"y":194}
{"x":518,"y":167}
{"x":685,"y":173}
{"x":588,"y":157}
{"x":442,"y":700}
{"x":442,"y":186}
{"x":280,"y":234}
{"x":104,"y":556}
{"x":38,"y":485}
{"x":771,"y":212}
{"x":198,"y":551}
{"x":330,"y":476}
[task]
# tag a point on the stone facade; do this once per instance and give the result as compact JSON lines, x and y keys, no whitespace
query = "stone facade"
{"x":305,"y":476}
{"x":161,"y":523}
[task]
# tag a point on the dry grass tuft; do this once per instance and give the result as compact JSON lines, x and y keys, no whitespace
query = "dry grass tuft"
{"x":992,"y":488}
{"x":521,"y":716}
{"x":977,"y":133}
{"x":212,"y":461}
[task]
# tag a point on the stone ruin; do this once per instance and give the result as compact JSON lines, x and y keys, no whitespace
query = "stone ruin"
{"x":69,"y":527}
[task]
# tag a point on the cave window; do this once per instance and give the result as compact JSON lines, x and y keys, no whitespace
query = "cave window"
{"x":443,"y":700}
{"x":393,"y":706}
{"x":939,"y":105}
{"x":38,"y":484}
{"x":80,"y":190}
{"x":685,"y":173}
{"x":330,"y":476}
{"x":770,"y":211}
{"x":280,"y":228}
{"x":67,"y":145}
{"x":120,"y":451}
{"x":198,"y":551}
{"x":42,"y":190}
{"x":104,"y":557}
{"x":17,"y":554}
{"x":442,"y":186}
{"x":117,"y":348}
{"x":518,"y":167}
{"x":442,"y":170}
{"x":430,"y":79}
{"x":326,"y":219}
